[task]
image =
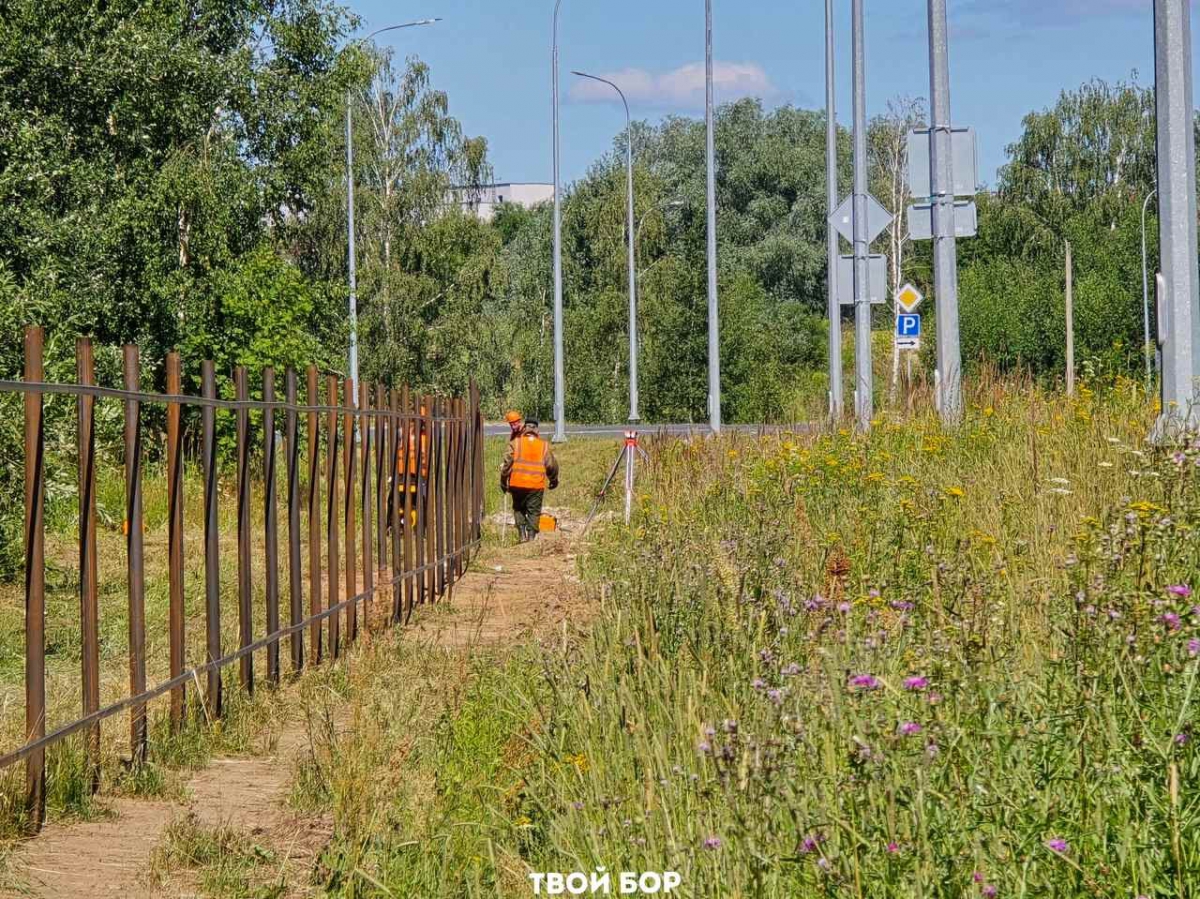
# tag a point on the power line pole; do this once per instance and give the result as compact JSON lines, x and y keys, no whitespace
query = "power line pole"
{"x":714,"y":330}
{"x":836,"y":400}
{"x":560,"y":424}
{"x":1179,"y":324}
{"x":864,"y":404}
{"x":945,"y":251}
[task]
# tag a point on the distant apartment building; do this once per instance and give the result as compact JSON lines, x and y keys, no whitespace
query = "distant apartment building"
{"x":485,"y":201}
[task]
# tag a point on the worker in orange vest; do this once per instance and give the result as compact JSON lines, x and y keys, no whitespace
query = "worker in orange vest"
{"x":529,"y":467}
{"x":516,"y":422}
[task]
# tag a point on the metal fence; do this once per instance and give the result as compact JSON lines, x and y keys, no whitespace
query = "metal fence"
{"x":400,"y":472}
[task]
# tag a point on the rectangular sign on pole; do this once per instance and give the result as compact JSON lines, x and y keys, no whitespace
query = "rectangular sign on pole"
{"x":877,"y":273}
{"x":908,"y":331}
{"x":920,"y":220}
{"x":963,"y":156}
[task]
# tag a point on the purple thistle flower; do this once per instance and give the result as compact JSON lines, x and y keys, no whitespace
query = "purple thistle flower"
{"x":893,"y":847}
{"x":811,"y":843}
{"x":902,"y":605}
{"x":843,"y":607}
{"x":916,"y":684}
{"x":791,"y":670}
{"x":977,"y":876}
{"x":989,"y":891}
{"x":1180,"y":590}
{"x":1183,"y":738}
{"x":931,"y":749}
{"x":758,"y":683}
{"x":909,"y":728}
{"x":815,"y":604}
{"x":776,"y":696}
{"x":1059,"y":845}
{"x":865,"y":682}
{"x":766,"y":657}
{"x":1171,"y":621}
{"x":712,"y":843}
{"x":704,"y":746}
{"x":1193,"y":647}
{"x":873,"y":593}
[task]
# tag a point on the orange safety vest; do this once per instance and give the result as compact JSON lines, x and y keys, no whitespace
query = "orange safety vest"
{"x":529,"y":463}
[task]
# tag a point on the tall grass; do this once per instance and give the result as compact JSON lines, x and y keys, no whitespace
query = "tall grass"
{"x":917,"y":663}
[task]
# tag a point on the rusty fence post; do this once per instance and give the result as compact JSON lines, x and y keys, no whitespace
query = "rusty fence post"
{"x":176,"y":611}
{"x":271,"y":523}
{"x":381,"y":475}
{"x":396,"y":505}
{"x":212,"y":540}
{"x":331,"y":521}
{"x":429,"y":474}
{"x":135,"y":555}
{"x":480,"y":472}
{"x":295,"y":574}
{"x":35,"y":582}
{"x":350,"y":433}
{"x":89,"y":607}
{"x":245,"y":607}
{"x":366,"y":427}
{"x":314,"y":514}
{"x":439,"y":498}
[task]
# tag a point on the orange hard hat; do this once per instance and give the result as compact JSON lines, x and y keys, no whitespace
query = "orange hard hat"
{"x":512,"y":417}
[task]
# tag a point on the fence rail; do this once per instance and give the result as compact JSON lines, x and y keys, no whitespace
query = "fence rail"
{"x":403,"y":472}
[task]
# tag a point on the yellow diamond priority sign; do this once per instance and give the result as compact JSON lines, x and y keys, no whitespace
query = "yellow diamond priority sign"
{"x":909,"y":298}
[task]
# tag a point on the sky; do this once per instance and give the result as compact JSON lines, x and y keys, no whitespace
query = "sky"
{"x":492,"y":57}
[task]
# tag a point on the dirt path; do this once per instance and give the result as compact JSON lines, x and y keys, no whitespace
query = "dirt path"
{"x":524,"y":593}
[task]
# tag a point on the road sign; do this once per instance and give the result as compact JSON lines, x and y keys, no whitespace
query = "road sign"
{"x":877,"y":275}
{"x":908,"y":331}
{"x":878,"y":219}
{"x":909,"y":298}
{"x":920,"y":220}
{"x":963,"y":158}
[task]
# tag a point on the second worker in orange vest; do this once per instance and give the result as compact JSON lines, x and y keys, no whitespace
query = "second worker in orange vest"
{"x":529,"y":467}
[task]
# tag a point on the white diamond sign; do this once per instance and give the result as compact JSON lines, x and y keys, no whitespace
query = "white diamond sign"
{"x":878,"y":219}
{"x":909,"y":298}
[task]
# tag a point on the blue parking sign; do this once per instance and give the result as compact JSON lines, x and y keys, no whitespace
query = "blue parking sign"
{"x":908,"y":325}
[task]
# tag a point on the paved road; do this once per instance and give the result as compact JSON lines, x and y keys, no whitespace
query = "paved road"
{"x":616,"y":432}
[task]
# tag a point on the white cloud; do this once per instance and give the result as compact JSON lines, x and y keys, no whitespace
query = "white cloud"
{"x":680,"y":88}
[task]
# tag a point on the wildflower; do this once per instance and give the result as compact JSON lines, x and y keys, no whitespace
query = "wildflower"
{"x":578,"y":806}
{"x":935,"y":698}
{"x":815,"y":604}
{"x":776,"y":696}
{"x":1171,"y":621}
{"x":902,"y":605}
{"x":729,"y":726}
{"x":811,"y":843}
{"x":712,"y":843}
{"x":1181,"y":590}
{"x":823,"y":863}
{"x":758,"y":683}
{"x":1059,"y":845}
{"x":988,"y":891}
{"x":843,"y":607}
{"x":791,"y":670}
{"x":893,"y":847}
{"x":766,"y":656}
{"x":1193,"y":647}
{"x":932,"y":750}
{"x":1182,"y":739}
{"x":955,"y":492}
{"x":916,"y":684}
{"x":909,"y":728}
{"x":865,"y":682}
{"x":704,"y":746}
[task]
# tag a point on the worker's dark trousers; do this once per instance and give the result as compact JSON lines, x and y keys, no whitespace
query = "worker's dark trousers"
{"x":527,"y":510}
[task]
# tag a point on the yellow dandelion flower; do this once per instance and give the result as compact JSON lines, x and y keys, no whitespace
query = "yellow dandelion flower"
{"x":956,"y":492}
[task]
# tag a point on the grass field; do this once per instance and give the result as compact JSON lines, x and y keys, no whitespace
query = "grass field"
{"x":911,"y":664}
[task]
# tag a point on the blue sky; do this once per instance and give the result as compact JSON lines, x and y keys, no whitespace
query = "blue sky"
{"x":1008,"y":57}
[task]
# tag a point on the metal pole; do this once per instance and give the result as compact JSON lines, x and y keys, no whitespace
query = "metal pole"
{"x":634,"y":415}
{"x":945,"y":250}
{"x":560,"y":422}
{"x":630,"y":452}
{"x":1147,"y":346}
{"x":1070,"y":315}
{"x":1177,"y":218}
{"x":836,"y":394}
{"x":714,"y":331}
{"x":863,"y":399}
{"x":350,"y":244}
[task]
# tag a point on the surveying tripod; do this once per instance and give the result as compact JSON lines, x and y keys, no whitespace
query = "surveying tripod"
{"x":629,"y":453}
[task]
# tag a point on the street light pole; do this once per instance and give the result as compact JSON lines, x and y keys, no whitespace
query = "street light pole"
{"x":560,"y":423}
{"x":1178,"y":322}
{"x":836,"y":397}
{"x":634,"y":415}
{"x":945,"y":251}
{"x":1147,"y":347}
{"x":352,"y":261}
{"x":864,"y":401}
{"x":714,"y":328}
